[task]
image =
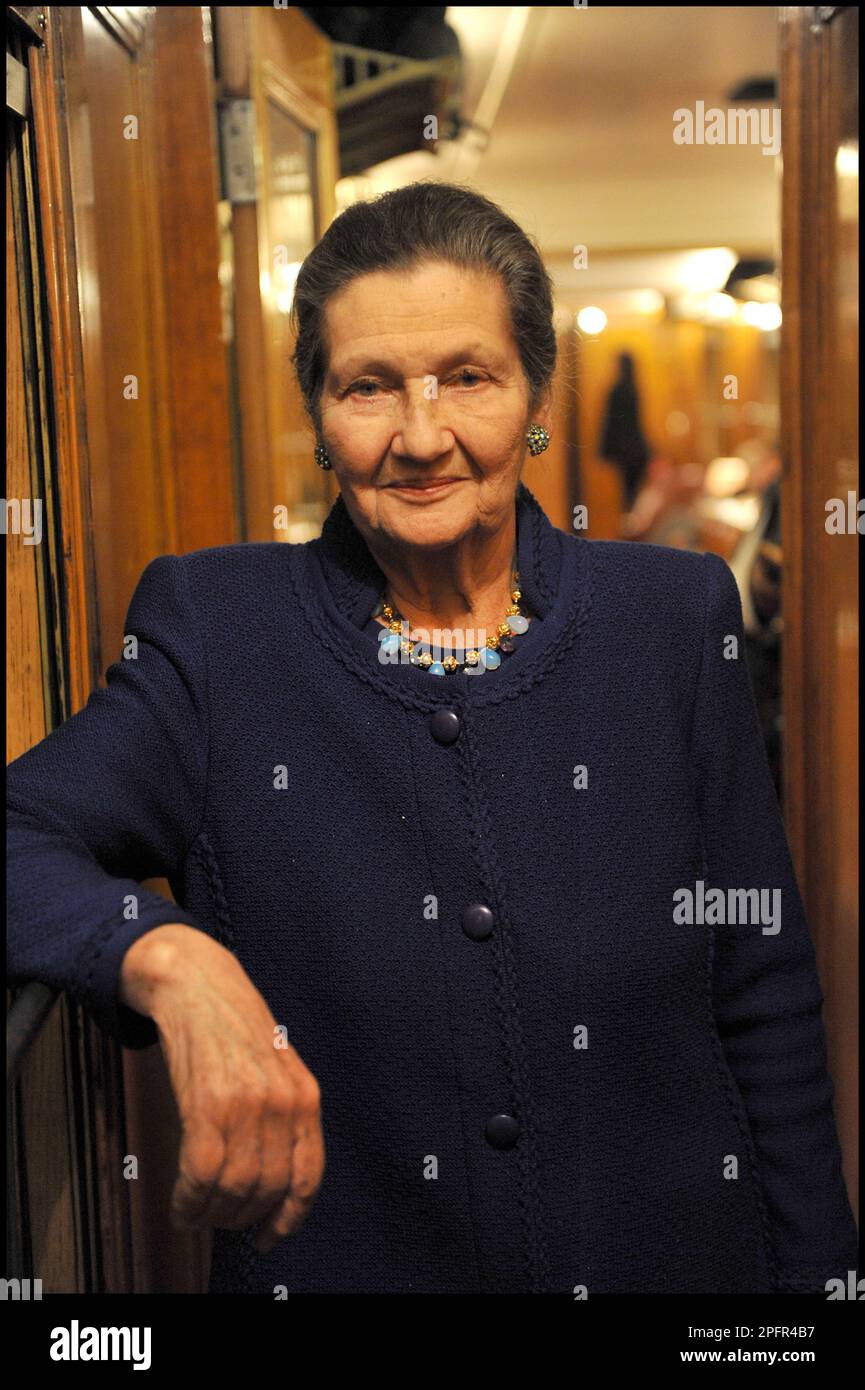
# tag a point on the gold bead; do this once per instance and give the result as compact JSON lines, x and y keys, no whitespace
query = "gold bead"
{"x":450,"y":663}
{"x":395,"y":626}
{"x":516,"y":595}
{"x":492,"y":642}
{"x":472,"y":658}
{"x":513,"y":611}
{"x":503,"y":629}
{"x":425,"y":659}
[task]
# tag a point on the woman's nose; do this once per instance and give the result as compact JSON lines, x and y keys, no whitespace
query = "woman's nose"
{"x":420,"y":431}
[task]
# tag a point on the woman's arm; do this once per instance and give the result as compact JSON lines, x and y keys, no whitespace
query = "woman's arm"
{"x":115,"y":794}
{"x":766,"y":990}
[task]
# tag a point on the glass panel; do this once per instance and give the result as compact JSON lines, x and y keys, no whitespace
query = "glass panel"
{"x":291,"y":220}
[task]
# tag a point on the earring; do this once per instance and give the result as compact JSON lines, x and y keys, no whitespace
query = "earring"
{"x":321,"y":457}
{"x":537,"y":439}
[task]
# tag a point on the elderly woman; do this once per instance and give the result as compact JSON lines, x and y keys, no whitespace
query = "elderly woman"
{"x":488,"y":972}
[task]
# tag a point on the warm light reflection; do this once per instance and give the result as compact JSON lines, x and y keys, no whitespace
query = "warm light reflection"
{"x":707,"y":270}
{"x":847,"y":160}
{"x":726,"y":476}
{"x":286,"y":278}
{"x":721,"y":306}
{"x":647,"y":301}
{"x":591,"y":320}
{"x":763,"y":316}
{"x":847,"y":173}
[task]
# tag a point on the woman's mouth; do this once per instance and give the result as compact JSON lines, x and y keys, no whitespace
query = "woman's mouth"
{"x":425,"y":487}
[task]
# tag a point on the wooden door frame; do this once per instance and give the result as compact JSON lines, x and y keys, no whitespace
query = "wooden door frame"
{"x":74,"y":1062}
{"x":90,"y":1061}
{"x":819,"y":607}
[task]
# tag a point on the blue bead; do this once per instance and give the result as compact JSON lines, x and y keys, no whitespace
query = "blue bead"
{"x":436,"y":669}
{"x":390,"y":641}
{"x":518,"y":623}
{"x":490,"y":659}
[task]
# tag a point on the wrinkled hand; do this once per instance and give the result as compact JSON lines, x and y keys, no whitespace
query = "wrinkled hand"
{"x":252,"y":1147}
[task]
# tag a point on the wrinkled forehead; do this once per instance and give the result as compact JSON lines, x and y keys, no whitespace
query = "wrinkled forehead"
{"x":422,"y":319}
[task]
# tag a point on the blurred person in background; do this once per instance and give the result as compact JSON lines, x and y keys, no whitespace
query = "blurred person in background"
{"x":756,"y":565}
{"x":664,"y":512}
{"x":622,"y":440}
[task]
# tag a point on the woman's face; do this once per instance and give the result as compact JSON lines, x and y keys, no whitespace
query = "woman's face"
{"x":424,"y":407}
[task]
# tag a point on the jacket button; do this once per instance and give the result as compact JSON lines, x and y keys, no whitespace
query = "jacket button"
{"x":502,"y":1131}
{"x":445,"y":726}
{"x":478,"y":922}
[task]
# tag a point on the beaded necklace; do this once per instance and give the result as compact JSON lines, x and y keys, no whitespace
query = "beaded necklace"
{"x":487,"y":657}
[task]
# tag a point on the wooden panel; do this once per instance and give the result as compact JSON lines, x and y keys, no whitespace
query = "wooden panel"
{"x":280,"y":61}
{"x":132,"y":516}
{"x":820,"y":447}
{"x":26,"y":716}
{"x":180,"y":99}
{"x":148,"y":247}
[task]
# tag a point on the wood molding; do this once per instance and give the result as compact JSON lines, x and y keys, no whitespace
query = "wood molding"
{"x":68,"y":408}
{"x":819,"y":383}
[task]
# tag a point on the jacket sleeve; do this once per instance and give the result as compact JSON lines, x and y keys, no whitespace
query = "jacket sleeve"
{"x":766,"y":990}
{"x":113,"y":795}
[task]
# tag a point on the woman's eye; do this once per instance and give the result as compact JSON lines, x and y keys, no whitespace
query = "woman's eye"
{"x":367,"y":389}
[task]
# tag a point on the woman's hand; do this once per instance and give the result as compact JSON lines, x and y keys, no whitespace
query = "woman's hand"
{"x":252,"y":1147}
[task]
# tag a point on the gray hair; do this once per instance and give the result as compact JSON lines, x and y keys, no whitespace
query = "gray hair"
{"x":404,"y":228}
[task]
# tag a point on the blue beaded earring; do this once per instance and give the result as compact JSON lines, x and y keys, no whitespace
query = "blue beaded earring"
{"x":537,"y":439}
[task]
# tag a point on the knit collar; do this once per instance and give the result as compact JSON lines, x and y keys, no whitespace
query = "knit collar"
{"x":356,"y":581}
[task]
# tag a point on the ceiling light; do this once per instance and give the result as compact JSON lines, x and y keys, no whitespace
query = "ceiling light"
{"x":591,"y":320}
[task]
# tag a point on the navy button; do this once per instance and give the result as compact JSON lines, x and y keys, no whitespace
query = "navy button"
{"x":478,"y":922}
{"x":502,"y":1131}
{"x":445,"y":726}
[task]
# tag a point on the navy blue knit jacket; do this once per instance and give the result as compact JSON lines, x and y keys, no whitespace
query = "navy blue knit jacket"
{"x":662,"y":1116}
